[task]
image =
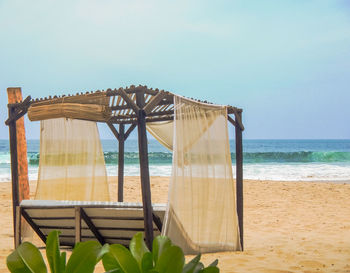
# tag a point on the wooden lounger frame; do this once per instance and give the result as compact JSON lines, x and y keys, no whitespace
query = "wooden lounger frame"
{"x":76,"y":218}
{"x":132,"y":106}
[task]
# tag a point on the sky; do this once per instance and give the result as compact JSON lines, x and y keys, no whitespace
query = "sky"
{"x":286,"y":63}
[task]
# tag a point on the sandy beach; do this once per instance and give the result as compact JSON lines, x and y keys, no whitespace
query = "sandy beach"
{"x":288,"y":226}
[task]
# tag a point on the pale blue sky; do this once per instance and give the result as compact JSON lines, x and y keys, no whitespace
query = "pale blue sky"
{"x":286,"y":63}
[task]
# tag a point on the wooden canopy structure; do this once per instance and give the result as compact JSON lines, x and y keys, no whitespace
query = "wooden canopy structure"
{"x":126,"y":108}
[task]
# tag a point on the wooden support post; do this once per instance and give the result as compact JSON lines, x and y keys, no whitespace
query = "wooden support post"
{"x":144,"y":170}
{"x":77,"y":224}
{"x":18,"y":150}
{"x":239,"y":179}
{"x":14,"y":170}
{"x":18,"y":233}
{"x":121,"y":163}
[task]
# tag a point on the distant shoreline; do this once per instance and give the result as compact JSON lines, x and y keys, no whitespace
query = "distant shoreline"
{"x":277,"y":160}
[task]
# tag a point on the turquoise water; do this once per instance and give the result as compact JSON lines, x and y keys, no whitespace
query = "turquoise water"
{"x":263,"y":159}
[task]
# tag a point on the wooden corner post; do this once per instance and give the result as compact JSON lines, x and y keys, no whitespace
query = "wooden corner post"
{"x":144,"y":169}
{"x":121,"y":163}
{"x":18,"y":150}
{"x":239,"y":175}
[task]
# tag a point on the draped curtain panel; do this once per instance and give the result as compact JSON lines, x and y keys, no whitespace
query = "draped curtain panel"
{"x":201,"y":215}
{"x":71,"y":165}
{"x":162,"y":131}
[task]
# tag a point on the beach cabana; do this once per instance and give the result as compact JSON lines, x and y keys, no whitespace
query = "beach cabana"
{"x":205,"y":207}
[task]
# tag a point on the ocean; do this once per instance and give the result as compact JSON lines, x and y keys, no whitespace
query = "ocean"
{"x":287,"y":160}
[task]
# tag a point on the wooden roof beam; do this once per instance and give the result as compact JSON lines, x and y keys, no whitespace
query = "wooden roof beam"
{"x":154,"y":102}
{"x":20,"y":110}
{"x":22,"y":104}
{"x":132,"y":116}
{"x":128,"y":100}
{"x":134,"y":121}
{"x":122,"y":107}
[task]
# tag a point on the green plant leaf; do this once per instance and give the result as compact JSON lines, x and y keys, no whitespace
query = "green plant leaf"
{"x":210,"y":269}
{"x":138,"y":247}
{"x":63,"y":262}
{"x":104,"y":250}
{"x":191,"y":265}
{"x":171,"y":260}
{"x":215,"y":263}
{"x":15,"y":264}
{"x":119,"y":257}
{"x":109,"y":263}
{"x":198,"y":267}
{"x":26,"y":258}
{"x":84,"y":257}
{"x":147,"y":262}
{"x":53,"y":251}
{"x":114,"y":271}
{"x":160,"y":244}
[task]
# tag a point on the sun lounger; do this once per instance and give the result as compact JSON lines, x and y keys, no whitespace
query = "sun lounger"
{"x":106,"y":222}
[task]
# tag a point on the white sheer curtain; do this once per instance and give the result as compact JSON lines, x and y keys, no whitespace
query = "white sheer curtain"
{"x":201,"y":215}
{"x":162,"y":131}
{"x":71,"y":165}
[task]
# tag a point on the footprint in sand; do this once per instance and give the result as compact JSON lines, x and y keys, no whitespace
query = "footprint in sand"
{"x":294,"y":268}
{"x":312,"y":264}
{"x":276,"y":271}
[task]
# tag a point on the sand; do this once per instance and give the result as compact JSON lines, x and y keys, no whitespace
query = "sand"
{"x":288,"y":226}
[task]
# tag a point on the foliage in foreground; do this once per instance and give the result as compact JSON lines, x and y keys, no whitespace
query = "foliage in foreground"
{"x":164,"y":258}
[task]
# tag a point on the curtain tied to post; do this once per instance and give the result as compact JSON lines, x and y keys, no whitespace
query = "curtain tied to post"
{"x":201,"y":215}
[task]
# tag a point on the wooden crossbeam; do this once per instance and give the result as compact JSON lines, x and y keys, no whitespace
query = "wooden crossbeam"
{"x":231,"y":120}
{"x":157,"y":221}
{"x":153,"y":114}
{"x":114,"y":131}
{"x":161,"y":113}
{"x":131,"y":128}
{"x":18,"y":110}
{"x":134,"y":121}
{"x":33,"y":225}
{"x":92,"y":227}
{"x":232,"y":110}
{"x":151,"y":91}
{"x":129,"y":101}
{"x":21,"y":105}
{"x":154,"y":102}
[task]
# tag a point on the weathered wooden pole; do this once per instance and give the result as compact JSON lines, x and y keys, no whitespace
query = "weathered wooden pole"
{"x":18,"y":150}
{"x":144,"y":170}
{"x":121,"y":163}
{"x":239,"y":177}
{"x":14,"y":170}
